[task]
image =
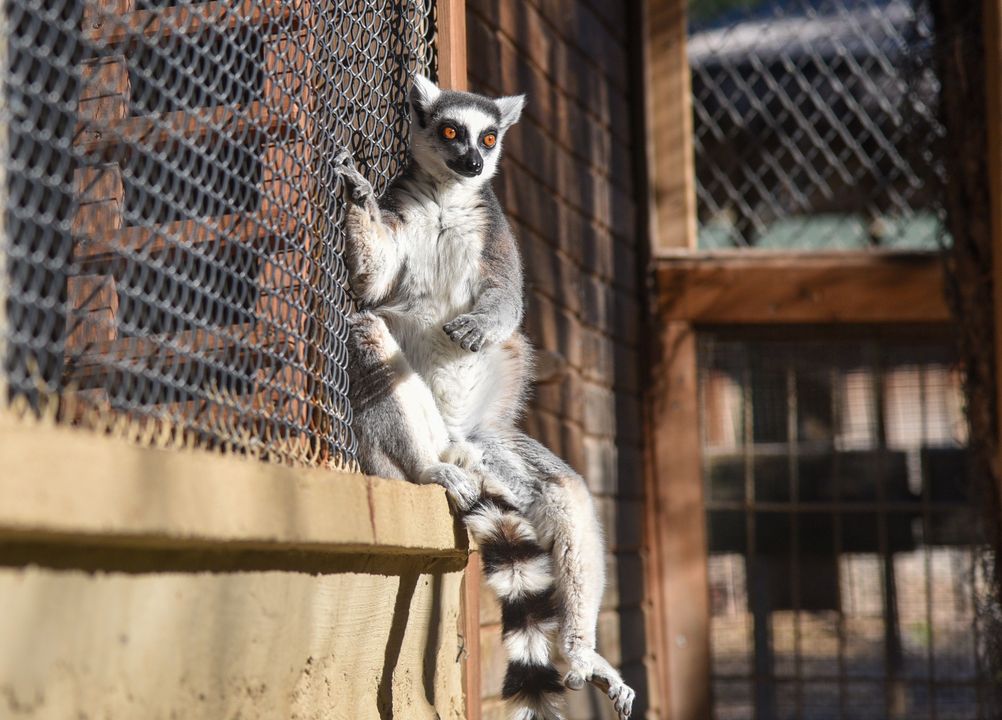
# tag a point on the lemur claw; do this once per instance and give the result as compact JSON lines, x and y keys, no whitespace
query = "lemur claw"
{"x":466,"y":332}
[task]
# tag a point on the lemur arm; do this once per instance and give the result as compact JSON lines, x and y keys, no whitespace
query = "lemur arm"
{"x":498,"y":309}
{"x":371,"y":253}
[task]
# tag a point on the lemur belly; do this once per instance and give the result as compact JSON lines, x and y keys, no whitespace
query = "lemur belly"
{"x":442,"y":268}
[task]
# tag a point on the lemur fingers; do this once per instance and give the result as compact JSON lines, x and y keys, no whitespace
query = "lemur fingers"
{"x":462,"y":490}
{"x":361,"y":189}
{"x":467,"y":331}
{"x":589,"y":666}
{"x":622,"y":696}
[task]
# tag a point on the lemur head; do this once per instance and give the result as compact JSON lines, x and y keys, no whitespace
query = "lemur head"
{"x":456,"y":136}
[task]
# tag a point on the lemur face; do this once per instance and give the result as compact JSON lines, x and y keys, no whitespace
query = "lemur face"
{"x":457,"y":135}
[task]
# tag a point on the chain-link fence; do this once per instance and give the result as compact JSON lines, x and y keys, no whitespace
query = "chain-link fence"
{"x":171,"y":242}
{"x":815,"y":123}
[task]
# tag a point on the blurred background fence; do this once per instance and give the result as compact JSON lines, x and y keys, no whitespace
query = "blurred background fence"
{"x":816,"y":124}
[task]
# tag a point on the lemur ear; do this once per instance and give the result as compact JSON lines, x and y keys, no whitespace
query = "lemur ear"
{"x":423,"y":94}
{"x":510,"y":108}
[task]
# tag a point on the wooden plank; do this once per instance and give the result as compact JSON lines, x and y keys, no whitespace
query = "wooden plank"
{"x":470,"y":620}
{"x":451,"y":44}
{"x":93,"y":301}
{"x":256,"y":123}
{"x":668,"y":110}
{"x":179,"y":347}
{"x":993,"y":75}
{"x":64,"y":484}
{"x":105,"y":89}
{"x":676,"y":528}
{"x":110,"y":29}
{"x":763,"y":287}
{"x":95,"y":12}
{"x":100,"y":193}
{"x":265,"y":232}
{"x":284,"y":306}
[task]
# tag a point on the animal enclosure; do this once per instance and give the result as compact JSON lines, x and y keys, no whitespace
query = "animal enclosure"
{"x":734,"y":217}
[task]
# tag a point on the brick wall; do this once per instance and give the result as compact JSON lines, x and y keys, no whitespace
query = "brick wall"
{"x":567,"y":182}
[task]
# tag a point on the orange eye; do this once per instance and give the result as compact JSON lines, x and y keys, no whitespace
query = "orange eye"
{"x":490,"y":139}
{"x":449,"y":133}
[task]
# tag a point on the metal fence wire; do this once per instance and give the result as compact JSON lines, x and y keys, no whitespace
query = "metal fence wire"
{"x":171,"y":250}
{"x":815,"y":123}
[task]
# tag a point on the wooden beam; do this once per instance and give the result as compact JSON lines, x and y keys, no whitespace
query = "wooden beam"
{"x":109,"y":28}
{"x":451,"y":50}
{"x":676,"y":529}
{"x":993,"y":76}
{"x":809,"y":287}
{"x":471,"y":636}
{"x":451,"y":44}
{"x":668,"y":109}
{"x":257,"y":123}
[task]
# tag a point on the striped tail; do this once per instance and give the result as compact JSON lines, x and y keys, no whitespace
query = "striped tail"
{"x":520,"y":571}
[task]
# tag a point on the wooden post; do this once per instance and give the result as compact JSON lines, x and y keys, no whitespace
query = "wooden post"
{"x":668,"y":109}
{"x":451,"y":44}
{"x":676,"y":521}
{"x":993,"y":76}
{"x":451,"y":49}
{"x":471,"y":635}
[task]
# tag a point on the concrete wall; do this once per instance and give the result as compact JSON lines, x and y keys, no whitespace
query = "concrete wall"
{"x":141,"y":583}
{"x":567,"y":182}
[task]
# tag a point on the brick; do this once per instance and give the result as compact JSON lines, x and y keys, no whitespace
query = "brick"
{"x":552,"y":327}
{"x":599,"y":410}
{"x":557,"y":434}
{"x":565,"y":65}
{"x":495,"y":62}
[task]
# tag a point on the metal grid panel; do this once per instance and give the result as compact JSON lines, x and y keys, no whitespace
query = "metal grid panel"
{"x":173,"y":226}
{"x":815,"y":123}
{"x":846,"y":565}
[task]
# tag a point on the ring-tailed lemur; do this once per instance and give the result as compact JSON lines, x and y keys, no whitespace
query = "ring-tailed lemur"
{"x":439,"y":374}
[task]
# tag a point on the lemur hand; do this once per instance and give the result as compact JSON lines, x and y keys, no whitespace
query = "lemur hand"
{"x":461,"y":489}
{"x":467,"y":331}
{"x":359,"y":188}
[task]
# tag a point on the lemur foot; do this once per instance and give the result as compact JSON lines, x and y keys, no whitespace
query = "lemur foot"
{"x":360,"y":188}
{"x":467,"y":331}
{"x":461,"y":489}
{"x":589,"y":666}
{"x":464,"y":454}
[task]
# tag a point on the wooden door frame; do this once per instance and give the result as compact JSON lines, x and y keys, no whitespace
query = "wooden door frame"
{"x":452,"y":75}
{"x":693,"y":290}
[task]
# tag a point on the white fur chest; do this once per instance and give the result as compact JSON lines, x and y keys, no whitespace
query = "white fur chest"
{"x":442,"y":240}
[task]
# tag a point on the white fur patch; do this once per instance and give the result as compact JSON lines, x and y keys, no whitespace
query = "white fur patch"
{"x":522,"y":578}
{"x":531,"y":645}
{"x":548,"y":709}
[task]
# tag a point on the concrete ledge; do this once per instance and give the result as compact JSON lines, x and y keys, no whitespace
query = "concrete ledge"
{"x":58,"y":483}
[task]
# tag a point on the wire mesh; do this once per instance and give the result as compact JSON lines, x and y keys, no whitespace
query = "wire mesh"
{"x":845,"y":568}
{"x":172,"y":243}
{"x":815,"y":123}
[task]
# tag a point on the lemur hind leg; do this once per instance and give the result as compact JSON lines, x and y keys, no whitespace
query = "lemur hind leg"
{"x":399,"y":429}
{"x":557,"y":501}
